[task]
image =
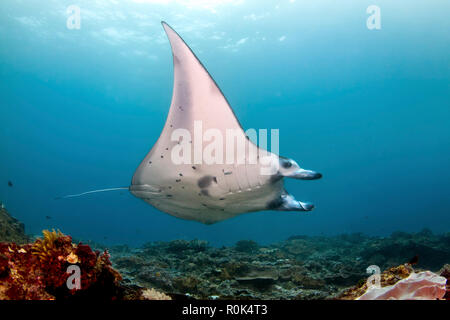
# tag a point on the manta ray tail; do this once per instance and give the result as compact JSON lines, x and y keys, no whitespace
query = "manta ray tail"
{"x":88,"y":192}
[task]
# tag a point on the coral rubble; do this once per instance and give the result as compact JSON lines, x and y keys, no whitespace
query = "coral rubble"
{"x":301,"y":267}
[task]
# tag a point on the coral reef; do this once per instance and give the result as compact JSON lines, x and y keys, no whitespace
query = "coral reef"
{"x":424,"y":285}
{"x":246,"y":246}
{"x":400,"y":283}
{"x":39,"y":270}
{"x":11,"y":230}
{"x":387,"y":278}
{"x":301,"y":267}
{"x":432,"y":250}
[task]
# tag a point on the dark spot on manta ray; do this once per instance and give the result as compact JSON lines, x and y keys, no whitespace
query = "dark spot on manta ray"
{"x":276,"y":203}
{"x":215,"y":179}
{"x":149,"y":162}
{"x":204,"y":192}
{"x":162,"y":156}
{"x":205,"y":182}
{"x":175,"y":60}
{"x":169,"y":196}
{"x":222,"y":199}
{"x":170,"y":187}
{"x":227,"y":172}
{"x":167,"y":148}
{"x":178,"y":180}
{"x":193,"y":167}
{"x":180,"y":174}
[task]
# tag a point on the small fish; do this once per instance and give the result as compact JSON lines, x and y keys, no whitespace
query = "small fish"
{"x":414,"y":260}
{"x":10,"y":184}
{"x":48,"y":217}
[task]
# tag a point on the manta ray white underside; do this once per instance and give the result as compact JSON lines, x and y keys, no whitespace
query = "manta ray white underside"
{"x":203,"y":192}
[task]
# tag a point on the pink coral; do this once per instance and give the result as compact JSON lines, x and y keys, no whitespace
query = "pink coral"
{"x":424,"y":285}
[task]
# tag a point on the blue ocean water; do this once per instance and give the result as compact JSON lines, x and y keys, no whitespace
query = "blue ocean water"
{"x":369,"y":109}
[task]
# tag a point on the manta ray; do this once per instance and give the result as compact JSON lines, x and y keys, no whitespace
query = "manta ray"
{"x":209,"y":193}
{"x":201,"y":191}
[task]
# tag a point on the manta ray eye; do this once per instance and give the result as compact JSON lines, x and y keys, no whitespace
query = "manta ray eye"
{"x":286,"y":163}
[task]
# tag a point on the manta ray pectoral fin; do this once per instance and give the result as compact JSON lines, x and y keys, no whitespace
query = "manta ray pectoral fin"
{"x":287,"y":202}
